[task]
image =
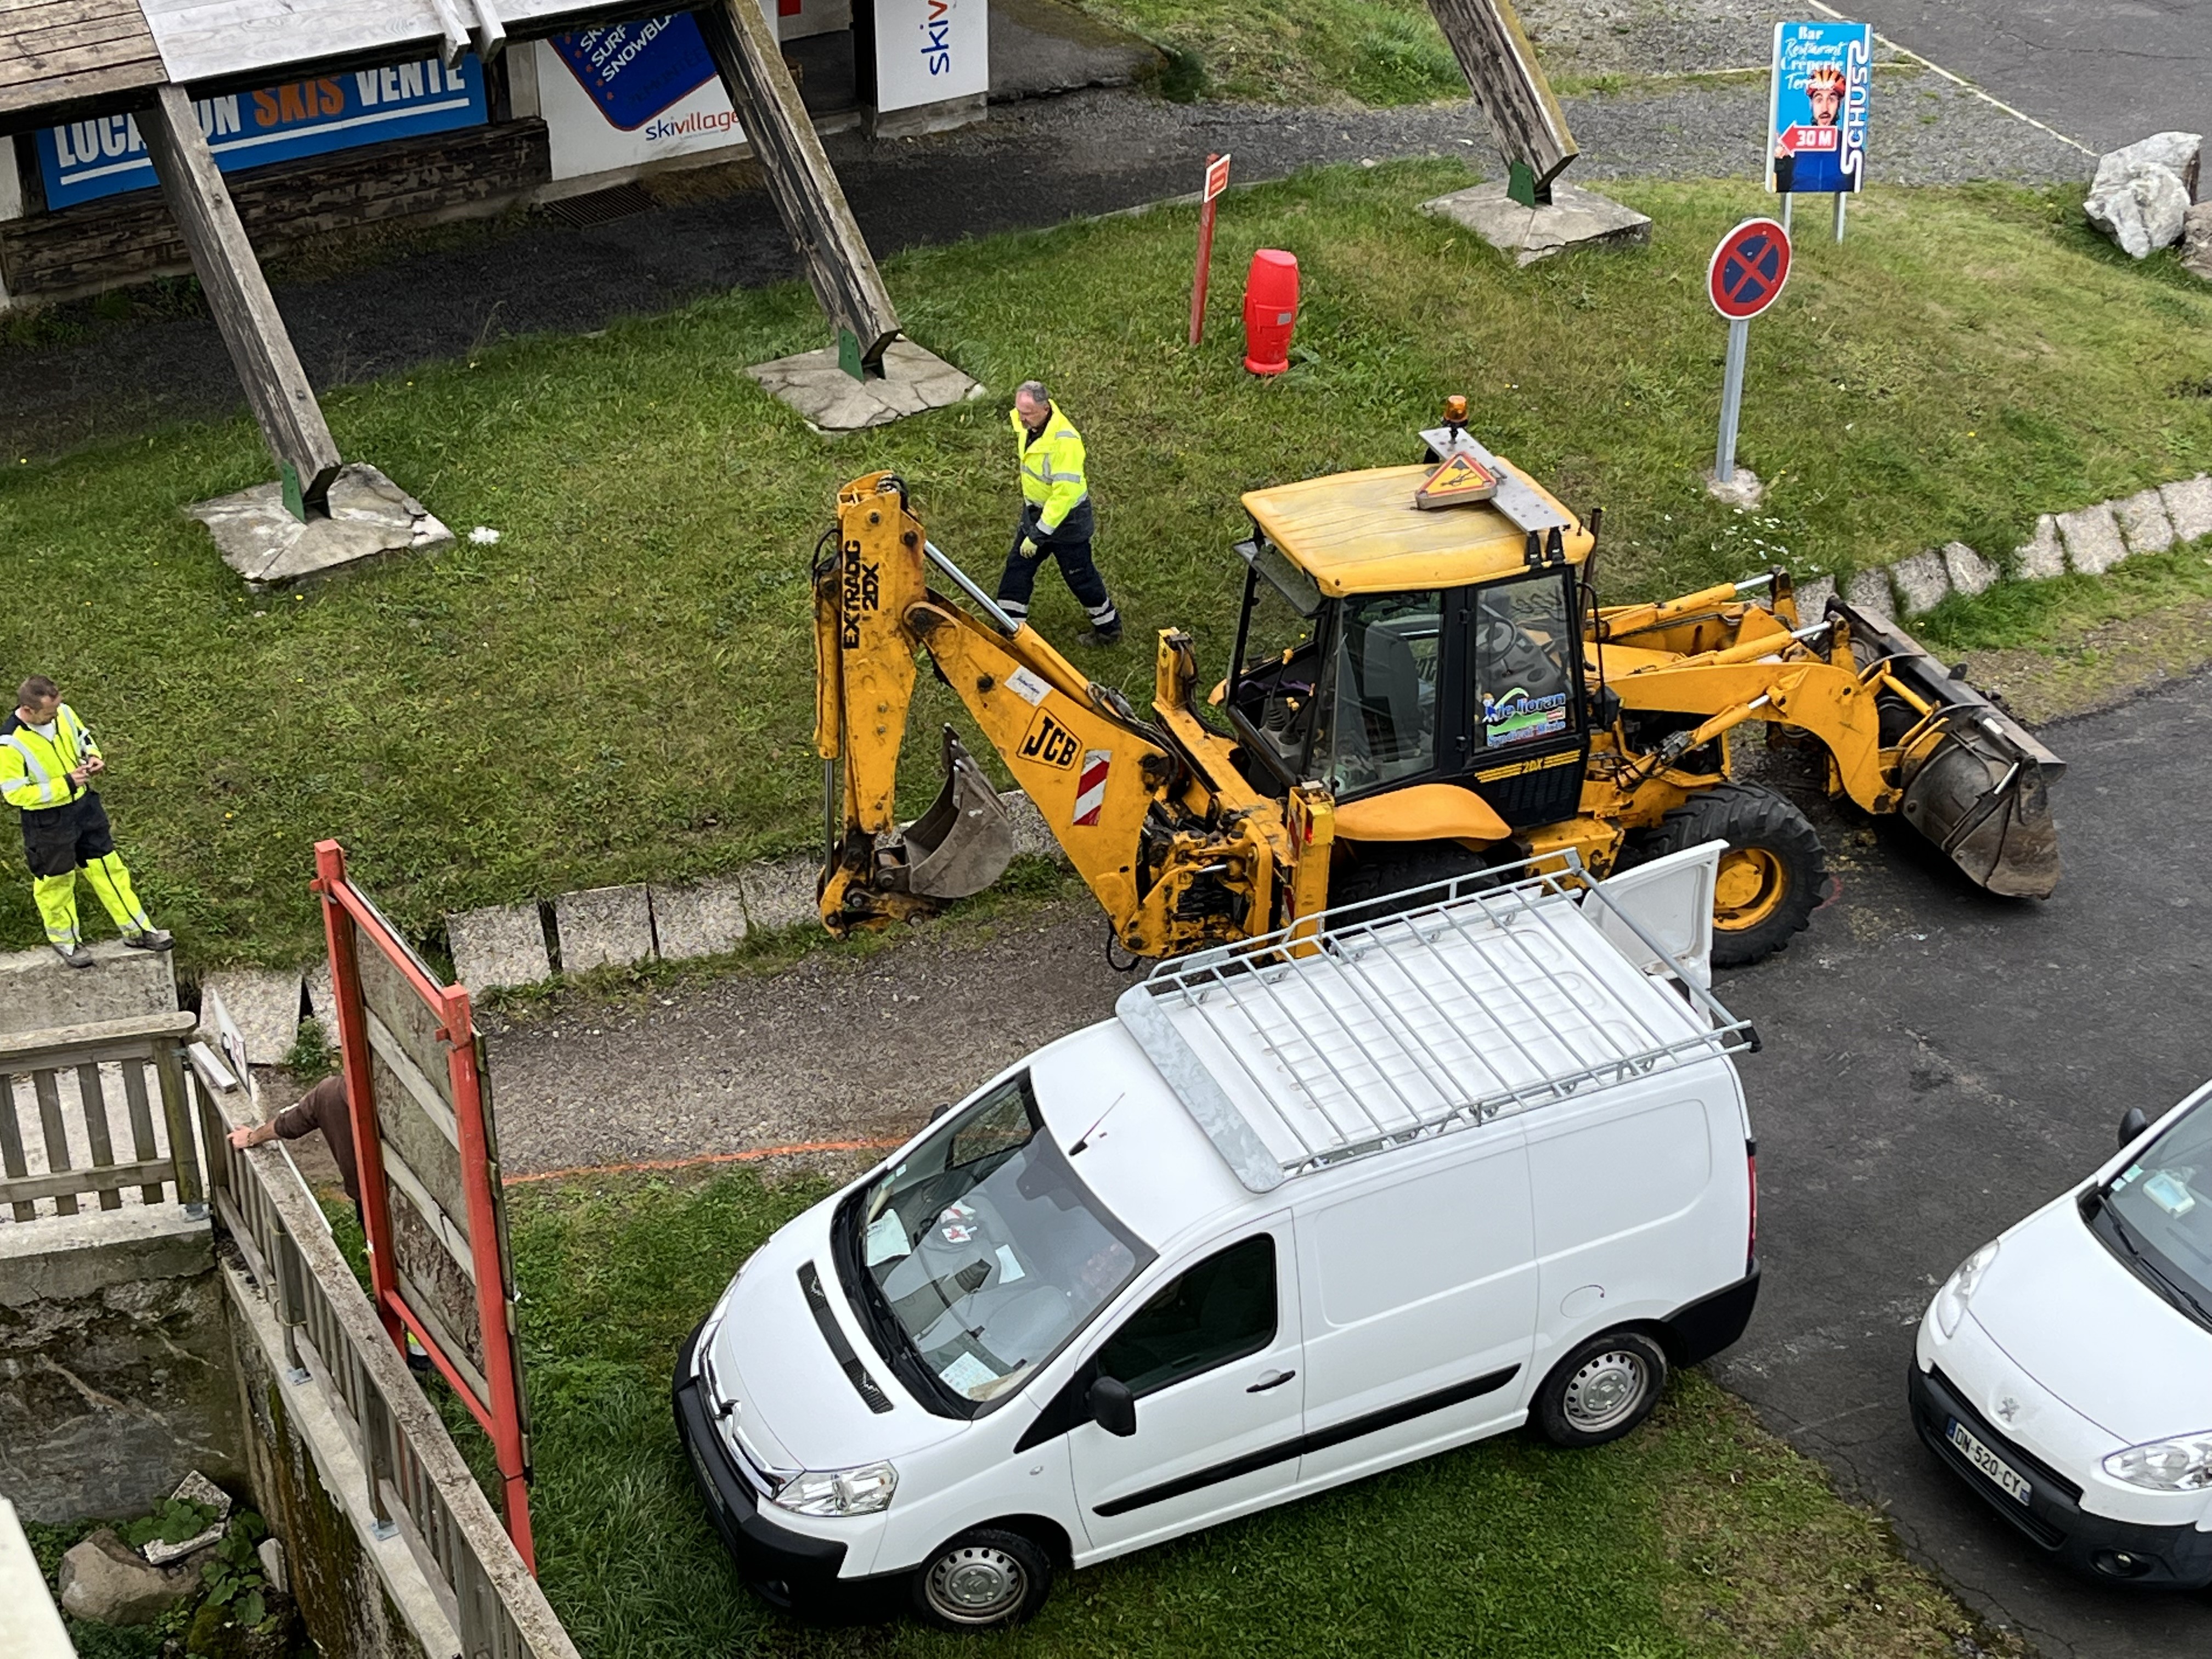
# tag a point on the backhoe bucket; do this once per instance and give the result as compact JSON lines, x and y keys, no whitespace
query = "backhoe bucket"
{"x":965,"y":842}
{"x":1980,"y":791}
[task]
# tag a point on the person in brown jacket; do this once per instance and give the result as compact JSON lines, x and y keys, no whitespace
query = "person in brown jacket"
{"x":325,"y":1107}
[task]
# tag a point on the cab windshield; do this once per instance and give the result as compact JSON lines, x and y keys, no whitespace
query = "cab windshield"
{"x":1279,"y":664}
{"x":2156,"y":1214}
{"x":984,"y":1252}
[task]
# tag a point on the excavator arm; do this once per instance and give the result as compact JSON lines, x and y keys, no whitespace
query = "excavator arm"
{"x":1173,"y":863}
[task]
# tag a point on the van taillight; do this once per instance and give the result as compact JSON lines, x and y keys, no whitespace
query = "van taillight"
{"x":1751,"y":1237}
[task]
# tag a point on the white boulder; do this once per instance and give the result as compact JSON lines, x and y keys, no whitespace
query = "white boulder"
{"x":2141,"y":193}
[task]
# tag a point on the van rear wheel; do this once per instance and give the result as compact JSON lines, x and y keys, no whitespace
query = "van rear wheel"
{"x":986,"y":1579}
{"x":1601,"y":1390}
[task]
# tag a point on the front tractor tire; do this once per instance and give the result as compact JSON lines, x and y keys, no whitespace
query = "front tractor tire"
{"x":1772,"y":877}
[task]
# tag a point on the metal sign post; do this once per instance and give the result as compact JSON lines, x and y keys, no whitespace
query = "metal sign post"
{"x":1216,"y":180}
{"x":1745,"y":276}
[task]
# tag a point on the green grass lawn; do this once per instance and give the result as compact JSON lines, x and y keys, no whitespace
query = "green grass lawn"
{"x":621,"y":688}
{"x":1295,"y":51}
{"x":1699,"y":1535}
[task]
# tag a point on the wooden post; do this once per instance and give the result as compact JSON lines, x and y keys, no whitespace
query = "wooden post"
{"x":807,"y":195}
{"x":277,"y":387}
{"x":1501,"y":67}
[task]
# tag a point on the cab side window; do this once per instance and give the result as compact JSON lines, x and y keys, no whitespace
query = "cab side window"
{"x":1221,"y":1309}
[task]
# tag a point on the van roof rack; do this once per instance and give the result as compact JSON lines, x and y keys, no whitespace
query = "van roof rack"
{"x":1348,"y":1033}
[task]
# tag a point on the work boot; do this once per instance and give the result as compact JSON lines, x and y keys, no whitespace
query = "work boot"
{"x":75,"y":955}
{"x":153,"y":939}
{"x":1100,"y":638}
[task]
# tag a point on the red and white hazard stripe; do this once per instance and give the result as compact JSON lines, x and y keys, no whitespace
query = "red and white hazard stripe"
{"x":1091,"y":784}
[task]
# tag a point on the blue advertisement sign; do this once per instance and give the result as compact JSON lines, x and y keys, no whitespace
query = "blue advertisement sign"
{"x":1816,"y":123}
{"x":106,"y":156}
{"x":634,"y":70}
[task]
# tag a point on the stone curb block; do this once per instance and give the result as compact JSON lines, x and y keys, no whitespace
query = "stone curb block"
{"x":1869,"y":591}
{"x":2188,"y":506}
{"x":1813,"y":596}
{"x":2091,"y":539}
{"x":780,"y":896}
{"x":703,"y":920}
{"x":1922,"y":582}
{"x":602,"y":926}
{"x":2042,"y":557}
{"x":500,"y":946}
{"x":2144,"y":522}
{"x":1969,"y":571}
{"x":263,"y":1003}
{"x":1031,"y":835}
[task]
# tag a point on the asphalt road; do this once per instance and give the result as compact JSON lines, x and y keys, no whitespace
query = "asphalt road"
{"x":2103,"y":72}
{"x":1938,"y":1063}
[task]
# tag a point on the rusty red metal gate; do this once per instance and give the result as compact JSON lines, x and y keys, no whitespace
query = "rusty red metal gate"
{"x":430,"y":1196}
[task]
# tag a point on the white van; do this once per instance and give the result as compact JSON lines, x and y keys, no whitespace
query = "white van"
{"x":2065,"y":1369}
{"x":1308,"y":1208}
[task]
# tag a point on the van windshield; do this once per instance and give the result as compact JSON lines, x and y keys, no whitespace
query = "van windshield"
{"x":2162,"y":1204}
{"x":983,"y":1251}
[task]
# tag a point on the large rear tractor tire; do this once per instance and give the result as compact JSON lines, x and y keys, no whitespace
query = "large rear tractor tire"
{"x":1771,"y":878}
{"x":1378,"y":876}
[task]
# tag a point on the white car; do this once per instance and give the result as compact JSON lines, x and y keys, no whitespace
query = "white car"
{"x":1308,"y":1208}
{"x":2065,"y":1369}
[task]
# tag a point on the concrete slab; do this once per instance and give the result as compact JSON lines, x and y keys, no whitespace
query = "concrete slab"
{"x":781,"y":895}
{"x":2144,"y":522}
{"x":2091,"y":539}
{"x":1813,"y":596}
{"x":702,"y":920}
{"x":2188,"y":507}
{"x":67,"y":1256}
{"x":263,"y":1003}
{"x":1575,"y":217}
{"x":1031,"y":835}
{"x":1922,"y":582}
{"x":1743,"y":491}
{"x":1040,"y":48}
{"x":1969,"y":571}
{"x":371,"y":518}
{"x":602,"y":926}
{"x":39,"y":990}
{"x":913,"y":381}
{"x":321,"y":1002}
{"x":502,"y":945}
{"x":2043,"y":557}
{"x":1869,"y":591}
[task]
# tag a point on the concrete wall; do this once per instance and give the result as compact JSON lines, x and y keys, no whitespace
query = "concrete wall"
{"x":115,"y":1375}
{"x":40,"y":991}
{"x":344,"y":1590}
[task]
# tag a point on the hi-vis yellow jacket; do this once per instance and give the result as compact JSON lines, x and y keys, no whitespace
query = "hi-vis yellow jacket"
{"x":34,"y":770}
{"x":1052,"y":468}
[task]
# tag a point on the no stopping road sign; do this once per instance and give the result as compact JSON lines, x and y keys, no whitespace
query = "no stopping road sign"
{"x":1748,"y":270}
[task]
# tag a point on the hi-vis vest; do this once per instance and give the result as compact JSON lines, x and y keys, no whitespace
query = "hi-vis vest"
{"x":1052,"y":468}
{"x":34,"y":770}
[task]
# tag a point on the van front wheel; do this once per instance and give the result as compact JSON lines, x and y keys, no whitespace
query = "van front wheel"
{"x":986,"y":1579}
{"x":1601,"y":1390}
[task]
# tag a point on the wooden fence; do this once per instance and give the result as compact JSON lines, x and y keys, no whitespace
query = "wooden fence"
{"x":59,"y":1132}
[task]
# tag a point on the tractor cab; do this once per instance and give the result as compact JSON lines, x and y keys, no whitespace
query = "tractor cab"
{"x":1384,"y":644}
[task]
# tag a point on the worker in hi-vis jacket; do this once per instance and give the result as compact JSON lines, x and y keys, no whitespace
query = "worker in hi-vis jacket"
{"x":47,"y":762}
{"x":1056,"y":515}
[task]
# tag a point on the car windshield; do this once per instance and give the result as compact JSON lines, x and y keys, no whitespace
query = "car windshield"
{"x":986,"y":1250}
{"x":2163,"y":1202}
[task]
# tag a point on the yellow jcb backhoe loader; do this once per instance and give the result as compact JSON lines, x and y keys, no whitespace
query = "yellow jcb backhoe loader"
{"x":1414,"y":694}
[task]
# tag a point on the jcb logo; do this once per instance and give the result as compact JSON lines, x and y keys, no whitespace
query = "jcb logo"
{"x":1050,"y":742}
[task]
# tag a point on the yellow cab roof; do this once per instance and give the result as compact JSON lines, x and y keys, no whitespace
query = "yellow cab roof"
{"x":1359,"y":532}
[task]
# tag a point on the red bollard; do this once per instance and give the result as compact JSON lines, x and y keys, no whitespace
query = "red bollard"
{"x":1270,"y":310}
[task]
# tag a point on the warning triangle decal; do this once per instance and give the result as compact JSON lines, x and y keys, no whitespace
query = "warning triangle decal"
{"x":1461,"y":478}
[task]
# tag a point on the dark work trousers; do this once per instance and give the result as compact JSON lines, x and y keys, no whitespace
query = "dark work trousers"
{"x":1071,"y":545}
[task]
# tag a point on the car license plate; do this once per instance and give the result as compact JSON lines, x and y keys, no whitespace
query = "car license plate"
{"x":1987,"y":1461}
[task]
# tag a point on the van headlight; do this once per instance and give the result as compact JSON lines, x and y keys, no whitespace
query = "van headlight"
{"x":862,"y":1491}
{"x":2183,"y":1464}
{"x":1959,"y":1290}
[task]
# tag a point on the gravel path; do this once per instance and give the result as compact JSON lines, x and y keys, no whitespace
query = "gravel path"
{"x":1033,"y":163}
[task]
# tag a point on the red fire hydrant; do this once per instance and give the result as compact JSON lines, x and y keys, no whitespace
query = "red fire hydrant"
{"x":1270,"y":310}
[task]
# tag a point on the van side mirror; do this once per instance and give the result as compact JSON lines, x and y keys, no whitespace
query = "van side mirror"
{"x":1112,"y":1407}
{"x":2133,"y":1124}
{"x":939,"y":1109}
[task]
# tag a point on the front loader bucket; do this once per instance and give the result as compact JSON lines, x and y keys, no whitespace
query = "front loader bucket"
{"x":965,"y":842}
{"x":1981,"y":791}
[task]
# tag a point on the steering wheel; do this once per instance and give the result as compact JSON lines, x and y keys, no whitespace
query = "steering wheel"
{"x":1519,"y":657}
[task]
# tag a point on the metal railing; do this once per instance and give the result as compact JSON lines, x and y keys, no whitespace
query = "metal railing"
{"x":59,"y":1132}
{"x":419,"y":1486}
